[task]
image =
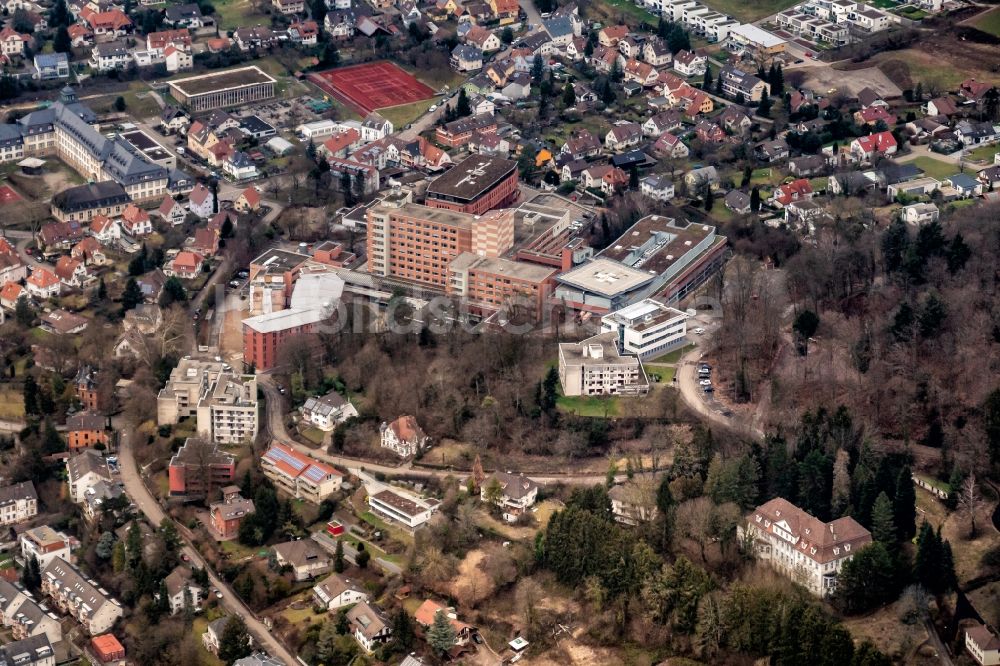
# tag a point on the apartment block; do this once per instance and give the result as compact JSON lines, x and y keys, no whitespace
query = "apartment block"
{"x":24,"y":617}
{"x":493,"y":284}
{"x":45,"y":544}
{"x":79,"y":596}
{"x":418,"y":243}
{"x":198,"y":467}
{"x":223,"y":401}
{"x":595,"y":367}
{"x":299,"y":475}
{"x":647,"y":328}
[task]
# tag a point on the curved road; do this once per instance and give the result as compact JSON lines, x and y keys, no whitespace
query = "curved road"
{"x":136,"y":489}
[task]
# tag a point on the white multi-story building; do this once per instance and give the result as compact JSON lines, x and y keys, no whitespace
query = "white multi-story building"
{"x":223,"y":401}
{"x":647,"y":328}
{"x":84,"y":471}
{"x":45,"y":544}
{"x":79,"y":596}
{"x":595,"y":367}
{"x":182,"y":590}
{"x":410,"y":510}
{"x":18,"y":502}
{"x":803,"y":547}
{"x":24,"y":617}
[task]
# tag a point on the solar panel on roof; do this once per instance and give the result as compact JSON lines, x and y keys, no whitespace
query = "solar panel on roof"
{"x":314,"y":473}
{"x":280,"y":455}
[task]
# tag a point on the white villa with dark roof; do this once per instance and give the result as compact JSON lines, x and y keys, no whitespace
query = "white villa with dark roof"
{"x":517,"y":493}
{"x":335,"y":592}
{"x":803,"y":547}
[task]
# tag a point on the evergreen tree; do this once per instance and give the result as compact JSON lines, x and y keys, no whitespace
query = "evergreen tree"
{"x":235,"y":640}
{"x":537,"y":69}
{"x":569,"y":96}
{"x":706,"y":81}
{"x":550,"y":388}
{"x":441,"y":635}
{"x":883,"y":521}
{"x":59,"y":15}
{"x":507,"y":35}
{"x":403,"y":634}
{"x":31,"y":575}
{"x":24,"y":314}
{"x":764,"y":108}
{"x":904,"y":505}
{"x":363,"y":556}
{"x":867,"y":580}
{"x":755,"y":200}
{"x":132,"y":295}
{"x":118,"y":561}
{"x":462,"y":106}
{"x":338,"y":558}
{"x":958,"y":254}
{"x":30,"y":395}
{"x":173,"y":292}
{"x":709,"y":199}
{"x":62,"y":43}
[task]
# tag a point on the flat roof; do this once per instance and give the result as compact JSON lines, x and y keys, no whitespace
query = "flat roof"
{"x":221,"y":81}
{"x":663,"y":241}
{"x":147,"y":145}
{"x":605,"y":277}
{"x":285,"y":319}
{"x":753,"y":34}
{"x":438,"y":215}
{"x":471,"y":177}
{"x":517,"y":270}
{"x":276,"y":258}
{"x":402,"y":504}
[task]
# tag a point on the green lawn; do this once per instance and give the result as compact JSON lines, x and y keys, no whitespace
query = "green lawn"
{"x":666,"y":372}
{"x":935,"y":168}
{"x":582,"y":405}
{"x":236,"y":550}
{"x":314,"y":435}
{"x":139,"y":102}
{"x":910,"y":12}
{"x":631,"y":9}
{"x":238,"y":13}
{"x":989,"y":22}
{"x":404,"y":114}
{"x":673,"y":356}
{"x":884,"y":4}
{"x":751,"y":11}
{"x":373,"y":520}
{"x":983,"y":153}
{"x":11,"y":406}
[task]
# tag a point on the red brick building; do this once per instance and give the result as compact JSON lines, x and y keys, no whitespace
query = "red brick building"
{"x":86,"y":430}
{"x":493,"y":284}
{"x":198,"y":467}
{"x":263,"y":335}
{"x":227,"y":515}
{"x":476,"y":185}
{"x":86,"y":388}
{"x":107,"y":648}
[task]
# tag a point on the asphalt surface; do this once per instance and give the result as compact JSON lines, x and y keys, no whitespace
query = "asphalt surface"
{"x":143,"y":499}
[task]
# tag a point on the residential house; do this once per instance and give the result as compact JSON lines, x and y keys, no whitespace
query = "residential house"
{"x":185,"y":265}
{"x":807,"y":165}
{"x":136,"y":222}
{"x":867,"y":148}
{"x":10,"y":294}
{"x":640,"y":72}
{"x":912,"y":188}
{"x":560,"y":31}
{"x":172,"y":211}
{"x":304,"y":557}
{"x":624,"y":135}
{"x":796,"y":190}
{"x":974,"y":133}
{"x":404,"y":437}
{"x":177,"y":59}
{"x":182,"y":591}
{"x":202,"y":201}
{"x":738,"y":202}
{"x":427,"y":612}
{"x":43,"y":283}
{"x":669,"y":146}
{"x":83,"y":471}
{"x":32,"y":651}
{"x":919,"y":213}
{"x":108,"y":649}
{"x":248,"y":201}
{"x":483,"y":39}
{"x":107,"y":56}
{"x":87,"y":430}
{"x":466,"y":58}
{"x":401,"y":507}
{"x":18,"y":502}
{"x":656,"y":53}
{"x":514,"y":494}
{"x":982,"y":644}
{"x":336,"y":592}
{"x":665,"y":121}
{"x":634,"y":501}
{"x":735,"y":119}
{"x":967,"y":186}
{"x":61,"y":322}
{"x":326,"y":411}
{"x":12,"y":42}
{"x":305,"y":33}
{"x":106,"y":26}
{"x":368,"y":626}
{"x":610,"y":36}
{"x":973,"y":90}
{"x":771,"y":151}
{"x":24,"y":616}
{"x":227,"y":515}
{"x":49,"y":66}
{"x":990,"y":177}
{"x":868,"y":98}
{"x":581,"y":145}
{"x":105,"y":230}
{"x":288,"y":7}
{"x":696,"y":177}
{"x":299,"y":475}
{"x":709,"y":132}
{"x":657,"y":187}
{"x":80,"y":36}
{"x":239,"y":166}
{"x":688,"y":63}
{"x":213,"y":634}
{"x":374,"y":127}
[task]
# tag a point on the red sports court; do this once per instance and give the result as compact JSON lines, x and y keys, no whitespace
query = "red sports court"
{"x":7,"y":195}
{"x":371,"y":86}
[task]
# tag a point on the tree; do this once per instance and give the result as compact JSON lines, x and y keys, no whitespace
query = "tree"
{"x":904,"y":505}
{"x":132,"y":296}
{"x":674,"y":593}
{"x":31,"y":575}
{"x":62,"y":43}
{"x":338,"y":558}
{"x":120,"y":104}
{"x":883,"y":521}
{"x":235,"y":640}
{"x":550,"y":387}
{"x":493,"y":493}
{"x":507,"y":35}
{"x":24,"y":314}
{"x":970,"y":502}
{"x":30,"y":393}
{"x":118,"y":561}
{"x":755,"y":200}
{"x":363,"y":556}
{"x":709,"y":199}
{"x":706,"y":81}
{"x":537,"y":69}
{"x":569,"y":96}
{"x":933,"y":566}
{"x":867,"y":580}
{"x":462,"y":106}
{"x":805,"y":327}
{"x":173,"y":292}
{"x":59,"y":15}
{"x":764,"y":108}
{"x":441,"y":635}
{"x":403,"y":634}
{"x":105,"y":546}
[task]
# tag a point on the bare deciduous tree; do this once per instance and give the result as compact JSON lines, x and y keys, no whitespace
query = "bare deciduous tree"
{"x":971,"y":502}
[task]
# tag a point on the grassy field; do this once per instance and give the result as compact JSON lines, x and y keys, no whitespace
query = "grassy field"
{"x":404,"y":114}
{"x":919,"y":66}
{"x":236,"y":13}
{"x":749,"y":11}
{"x":11,"y":406}
{"x":139,"y":102}
{"x":666,"y":372}
{"x":314,"y":435}
{"x":673,"y":356}
{"x":582,"y":405}
{"x":910,"y":12}
{"x":935,"y":168}
{"x":983,"y":153}
{"x":884,"y":4}
{"x":989,"y":22}
{"x":632,"y":10}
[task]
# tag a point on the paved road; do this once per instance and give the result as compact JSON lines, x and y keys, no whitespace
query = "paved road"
{"x":154,"y":513}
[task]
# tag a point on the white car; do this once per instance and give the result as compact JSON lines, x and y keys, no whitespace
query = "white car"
{"x":699,"y":331}
{"x":705,"y":382}
{"x":433,"y":108}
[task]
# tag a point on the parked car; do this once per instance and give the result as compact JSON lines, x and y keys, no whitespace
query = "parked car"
{"x":699,"y":331}
{"x":706,"y":382}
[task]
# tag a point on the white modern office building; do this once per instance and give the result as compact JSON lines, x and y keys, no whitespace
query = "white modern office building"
{"x":647,"y":328}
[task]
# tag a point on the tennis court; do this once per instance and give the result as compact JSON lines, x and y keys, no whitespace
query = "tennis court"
{"x":372,"y":86}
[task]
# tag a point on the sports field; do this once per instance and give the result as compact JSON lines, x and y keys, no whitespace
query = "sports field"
{"x":7,"y":195}
{"x":371,"y":86}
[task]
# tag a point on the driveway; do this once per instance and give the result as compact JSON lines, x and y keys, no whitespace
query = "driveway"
{"x":136,"y":489}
